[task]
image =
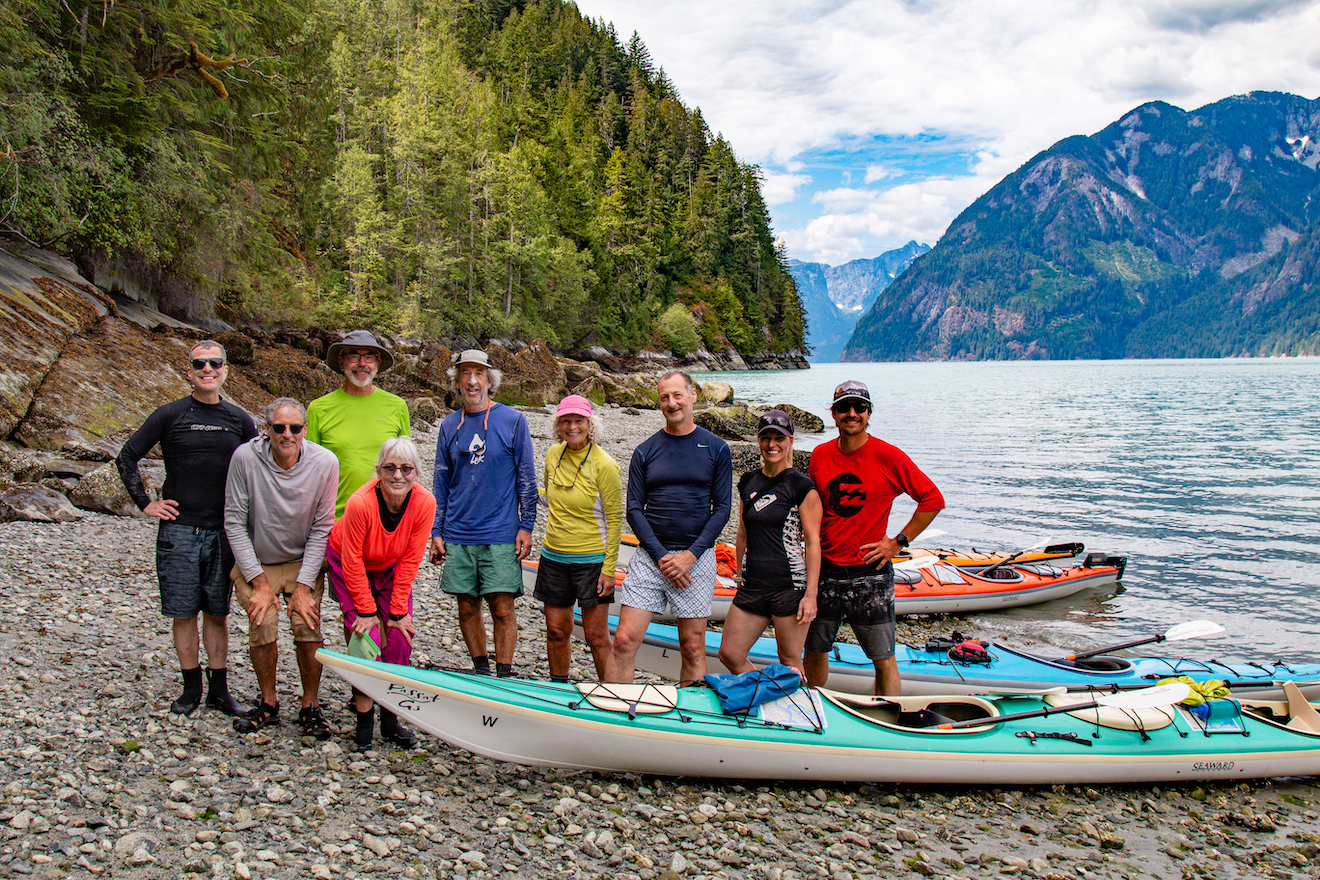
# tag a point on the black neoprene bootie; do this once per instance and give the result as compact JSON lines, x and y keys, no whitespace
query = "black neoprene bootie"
{"x":393,"y":731}
{"x":217,"y":693}
{"x":191,"y":697}
{"x":366,"y":726}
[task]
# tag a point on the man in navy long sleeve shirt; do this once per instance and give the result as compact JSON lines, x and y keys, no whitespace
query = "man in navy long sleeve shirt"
{"x":680,"y":494}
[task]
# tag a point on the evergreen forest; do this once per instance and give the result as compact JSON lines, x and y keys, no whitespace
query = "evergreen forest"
{"x":452,"y":168}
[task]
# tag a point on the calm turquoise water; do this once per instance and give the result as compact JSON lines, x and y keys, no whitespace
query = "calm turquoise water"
{"x":1206,"y":473}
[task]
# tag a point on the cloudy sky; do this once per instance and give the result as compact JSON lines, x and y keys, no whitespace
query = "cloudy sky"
{"x":877,"y":121}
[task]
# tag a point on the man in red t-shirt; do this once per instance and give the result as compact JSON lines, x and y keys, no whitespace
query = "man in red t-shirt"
{"x":858,"y":477}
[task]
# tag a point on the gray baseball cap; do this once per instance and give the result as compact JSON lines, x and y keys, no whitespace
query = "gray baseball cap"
{"x":854,"y":391}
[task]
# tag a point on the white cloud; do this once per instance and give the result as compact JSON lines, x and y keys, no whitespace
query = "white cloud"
{"x":780,"y":188}
{"x":877,"y":172}
{"x":910,"y":211}
{"x":1006,"y":77}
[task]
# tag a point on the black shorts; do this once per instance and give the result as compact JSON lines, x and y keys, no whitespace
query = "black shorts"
{"x":768,"y":603}
{"x":862,"y":595}
{"x":561,"y":584}
{"x":192,"y":566}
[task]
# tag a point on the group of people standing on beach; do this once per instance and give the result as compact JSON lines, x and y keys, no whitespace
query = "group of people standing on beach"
{"x":330,"y":492}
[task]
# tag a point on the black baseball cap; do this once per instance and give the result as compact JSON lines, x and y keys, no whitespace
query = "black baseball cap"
{"x":854,"y":391}
{"x":775,"y":420}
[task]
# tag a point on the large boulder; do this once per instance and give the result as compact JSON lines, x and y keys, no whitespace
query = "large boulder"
{"x":34,"y":503}
{"x":729,"y":422}
{"x":102,"y":490}
{"x":44,"y":302}
{"x":802,"y":420}
{"x":284,"y":371}
{"x":575,"y":373}
{"x":532,"y":377}
{"x":717,"y":392}
{"x":633,"y":390}
{"x":107,"y":382}
{"x":423,"y":374}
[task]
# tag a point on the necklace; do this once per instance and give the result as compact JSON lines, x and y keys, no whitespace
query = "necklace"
{"x":554,"y":478}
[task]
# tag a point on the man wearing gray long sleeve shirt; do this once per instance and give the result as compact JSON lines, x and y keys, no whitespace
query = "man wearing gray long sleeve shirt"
{"x":279,"y":509}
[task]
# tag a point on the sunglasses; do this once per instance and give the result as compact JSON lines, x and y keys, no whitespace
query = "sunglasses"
{"x":201,"y":363}
{"x":840,"y":409}
{"x":392,"y":469}
{"x":293,"y":429}
{"x":368,"y":358}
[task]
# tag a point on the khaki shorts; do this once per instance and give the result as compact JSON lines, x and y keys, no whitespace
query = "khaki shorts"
{"x":283,"y":578}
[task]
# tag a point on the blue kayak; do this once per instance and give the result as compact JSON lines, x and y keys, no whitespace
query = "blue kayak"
{"x":934,"y":671}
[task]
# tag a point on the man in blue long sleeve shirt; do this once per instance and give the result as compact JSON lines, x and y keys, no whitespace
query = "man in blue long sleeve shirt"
{"x":680,"y":494}
{"x":485,"y":508}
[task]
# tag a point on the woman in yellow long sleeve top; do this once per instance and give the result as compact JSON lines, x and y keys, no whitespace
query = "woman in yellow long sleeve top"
{"x":582,"y":489}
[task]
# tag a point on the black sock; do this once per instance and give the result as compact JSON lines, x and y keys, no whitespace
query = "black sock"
{"x":217,"y":681}
{"x":192,"y":683}
{"x":562,"y":679}
{"x":366,"y":722}
{"x":481,"y":664}
{"x":504,"y":670}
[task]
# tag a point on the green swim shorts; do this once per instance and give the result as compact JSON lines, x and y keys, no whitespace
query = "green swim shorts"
{"x":479,"y":570}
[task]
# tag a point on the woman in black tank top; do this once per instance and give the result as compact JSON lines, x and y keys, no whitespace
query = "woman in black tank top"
{"x":778,"y":551}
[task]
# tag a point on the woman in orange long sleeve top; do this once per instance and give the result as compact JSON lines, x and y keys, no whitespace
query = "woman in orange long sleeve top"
{"x":375,"y":551}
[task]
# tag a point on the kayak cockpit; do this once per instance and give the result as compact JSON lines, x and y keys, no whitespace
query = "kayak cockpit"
{"x":1294,"y":712}
{"x":1102,"y":663}
{"x":920,"y":714}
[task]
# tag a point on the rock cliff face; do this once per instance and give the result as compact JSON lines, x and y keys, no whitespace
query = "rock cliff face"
{"x":81,"y":371}
{"x":1169,"y":233}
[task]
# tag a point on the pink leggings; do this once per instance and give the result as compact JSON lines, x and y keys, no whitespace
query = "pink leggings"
{"x":394,"y":647}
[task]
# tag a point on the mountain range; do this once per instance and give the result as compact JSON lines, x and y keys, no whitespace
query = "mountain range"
{"x":834,"y":297}
{"x":1168,"y":234}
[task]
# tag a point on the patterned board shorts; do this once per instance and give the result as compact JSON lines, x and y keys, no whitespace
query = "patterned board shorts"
{"x":865,"y":599}
{"x":646,"y":589}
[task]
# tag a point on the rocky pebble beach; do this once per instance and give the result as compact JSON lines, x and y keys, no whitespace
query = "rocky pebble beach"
{"x":99,"y":779}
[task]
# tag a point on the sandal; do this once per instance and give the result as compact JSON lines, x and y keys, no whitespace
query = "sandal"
{"x":314,"y":723}
{"x":259,"y":716}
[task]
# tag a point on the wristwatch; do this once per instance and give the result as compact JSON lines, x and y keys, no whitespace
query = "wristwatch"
{"x":902,"y":540}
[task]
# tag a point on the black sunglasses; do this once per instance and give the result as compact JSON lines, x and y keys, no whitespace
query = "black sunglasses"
{"x":392,"y":469}
{"x":293,"y":429}
{"x":847,"y":407}
{"x":200,"y":363}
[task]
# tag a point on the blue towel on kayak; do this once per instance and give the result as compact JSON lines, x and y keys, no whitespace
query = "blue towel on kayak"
{"x":741,"y":694}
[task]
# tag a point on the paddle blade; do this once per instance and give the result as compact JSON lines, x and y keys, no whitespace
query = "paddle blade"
{"x":1147,"y":698}
{"x":918,"y":562}
{"x":1192,"y":629}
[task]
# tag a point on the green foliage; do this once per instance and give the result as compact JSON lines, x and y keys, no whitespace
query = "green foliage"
{"x":458,"y":168}
{"x":453,"y":168}
{"x":678,"y":329}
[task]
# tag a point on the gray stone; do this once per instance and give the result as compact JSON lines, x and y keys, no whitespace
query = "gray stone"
{"x":715,"y":391}
{"x":103,"y":491}
{"x":29,"y":502}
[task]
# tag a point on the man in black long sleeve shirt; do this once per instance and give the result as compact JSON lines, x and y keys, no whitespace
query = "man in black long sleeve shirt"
{"x":680,"y":495}
{"x":197,"y":435}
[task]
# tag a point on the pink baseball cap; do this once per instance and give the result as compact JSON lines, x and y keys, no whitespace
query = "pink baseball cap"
{"x":574,"y":405}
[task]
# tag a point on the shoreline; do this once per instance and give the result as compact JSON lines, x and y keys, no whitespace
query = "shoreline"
{"x":100,"y":780}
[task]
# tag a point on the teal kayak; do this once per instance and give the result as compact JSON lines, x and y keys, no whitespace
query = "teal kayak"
{"x":824,"y":735}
